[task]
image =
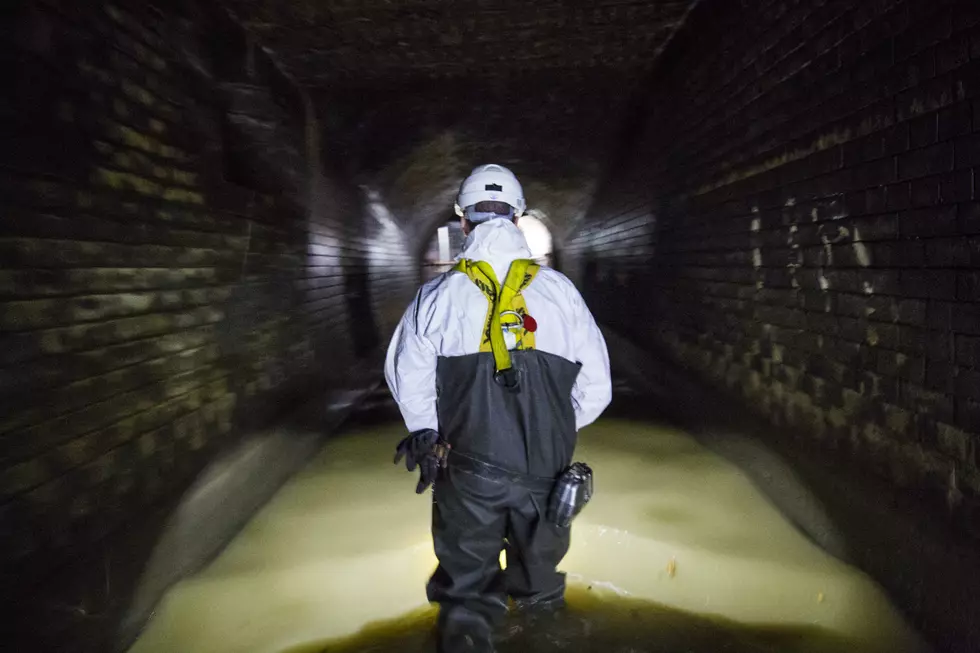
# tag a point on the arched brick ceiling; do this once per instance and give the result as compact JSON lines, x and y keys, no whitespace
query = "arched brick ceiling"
{"x":414,"y":93}
{"x":324,"y":42}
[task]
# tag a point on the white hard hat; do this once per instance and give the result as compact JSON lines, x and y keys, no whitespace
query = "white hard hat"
{"x":491,"y":183}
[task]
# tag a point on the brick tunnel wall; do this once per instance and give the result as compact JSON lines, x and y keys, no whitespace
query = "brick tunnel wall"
{"x":797,"y":221}
{"x":176,"y":264}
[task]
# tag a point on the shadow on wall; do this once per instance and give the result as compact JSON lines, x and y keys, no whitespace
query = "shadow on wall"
{"x":618,"y":295}
{"x":360,"y":309}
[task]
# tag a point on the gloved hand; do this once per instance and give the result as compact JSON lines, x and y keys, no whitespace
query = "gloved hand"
{"x":427,"y":451}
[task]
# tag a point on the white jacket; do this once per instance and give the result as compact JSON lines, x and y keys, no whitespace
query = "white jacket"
{"x":444,"y":323}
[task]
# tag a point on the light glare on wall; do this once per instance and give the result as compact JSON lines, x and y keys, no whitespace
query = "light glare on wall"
{"x":537,"y":235}
{"x":444,"y":253}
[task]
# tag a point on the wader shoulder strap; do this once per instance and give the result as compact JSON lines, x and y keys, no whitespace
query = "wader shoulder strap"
{"x":506,"y":305}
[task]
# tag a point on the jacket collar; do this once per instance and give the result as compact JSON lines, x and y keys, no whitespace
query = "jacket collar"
{"x":498,"y":242}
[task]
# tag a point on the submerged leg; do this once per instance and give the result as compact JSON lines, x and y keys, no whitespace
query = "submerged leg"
{"x":535,"y":547}
{"x":468,"y":523}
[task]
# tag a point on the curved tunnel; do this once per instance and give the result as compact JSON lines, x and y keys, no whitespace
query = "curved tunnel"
{"x":215,"y":215}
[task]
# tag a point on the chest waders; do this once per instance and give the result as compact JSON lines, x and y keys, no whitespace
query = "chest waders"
{"x":517,"y":415}
{"x":507,"y":310}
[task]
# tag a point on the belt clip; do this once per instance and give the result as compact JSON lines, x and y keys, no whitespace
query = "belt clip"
{"x":512,"y":326}
{"x":508,"y":379}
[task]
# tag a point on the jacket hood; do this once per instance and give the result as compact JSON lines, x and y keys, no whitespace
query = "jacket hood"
{"x":498,"y":242}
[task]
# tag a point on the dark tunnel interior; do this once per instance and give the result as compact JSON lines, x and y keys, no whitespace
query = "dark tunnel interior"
{"x":215,"y":213}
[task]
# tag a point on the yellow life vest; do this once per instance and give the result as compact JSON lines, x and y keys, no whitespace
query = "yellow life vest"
{"x":507,"y":308}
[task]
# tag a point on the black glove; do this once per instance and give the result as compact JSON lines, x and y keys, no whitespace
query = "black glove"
{"x":427,"y":451}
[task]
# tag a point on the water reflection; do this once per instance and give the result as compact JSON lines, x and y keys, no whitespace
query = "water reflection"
{"x":606,"y":624}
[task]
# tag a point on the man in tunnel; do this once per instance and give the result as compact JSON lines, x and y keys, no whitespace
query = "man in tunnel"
{"x":494,"y":380}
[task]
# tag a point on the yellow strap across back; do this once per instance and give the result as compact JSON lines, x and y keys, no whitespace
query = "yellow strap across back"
{"x":507,"y":307}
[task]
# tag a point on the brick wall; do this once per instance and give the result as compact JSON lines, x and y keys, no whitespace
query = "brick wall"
{"x":176,"y":264}
{"x":353,"y":41}
{"x":796,"y":218}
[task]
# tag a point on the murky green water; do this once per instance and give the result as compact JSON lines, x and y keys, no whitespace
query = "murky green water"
{"x":605,"y":625}
{"x":682,"y":552}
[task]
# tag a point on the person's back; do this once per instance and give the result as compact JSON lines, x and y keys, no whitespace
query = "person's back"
{"x":501,"y":361}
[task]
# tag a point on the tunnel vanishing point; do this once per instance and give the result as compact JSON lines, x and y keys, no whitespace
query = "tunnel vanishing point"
{"x":213,"y":214}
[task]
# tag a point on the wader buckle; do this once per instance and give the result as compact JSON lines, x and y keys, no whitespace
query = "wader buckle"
{"x":509,"y":379}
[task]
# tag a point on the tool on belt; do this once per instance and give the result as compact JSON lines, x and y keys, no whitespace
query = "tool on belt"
{"x":572,"y":491}
{"x":568,"y":494}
